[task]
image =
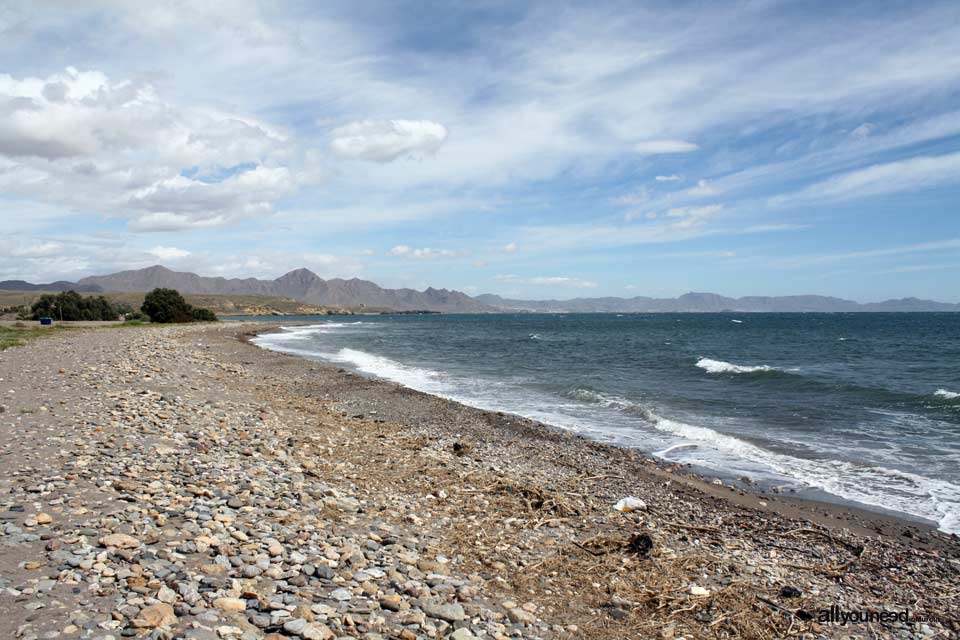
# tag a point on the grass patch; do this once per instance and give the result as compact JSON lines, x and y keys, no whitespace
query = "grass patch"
{"x":19,"y":336}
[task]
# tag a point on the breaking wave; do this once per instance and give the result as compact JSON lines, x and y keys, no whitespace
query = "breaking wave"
{"x":719,"y":366}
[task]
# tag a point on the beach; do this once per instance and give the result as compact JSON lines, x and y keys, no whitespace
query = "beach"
{"x":164,"y":480}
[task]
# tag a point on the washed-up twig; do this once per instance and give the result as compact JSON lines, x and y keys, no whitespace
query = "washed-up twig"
{"x":590,"y":551}
{"x":693,"y":527}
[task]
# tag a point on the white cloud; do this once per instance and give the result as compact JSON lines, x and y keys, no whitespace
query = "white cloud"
{"x":670,"y":178}
{"x":950,"y":245}
{"x":426,"y":253}
{"x":510,"y":247}
{"x":655,"y":147}
{"x":879,"y":179}
{"x":80,"y":140}
{"x":387,"y":140}
{"x":693,"y":216}
{"x":557,"y":281}
{"x":169,"y":253}
{"x":561,"y":281}
{"x":38,"y":250}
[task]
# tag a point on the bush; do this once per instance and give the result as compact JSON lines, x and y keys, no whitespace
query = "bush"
{"x":204,"y":315}
{"x":167,"y":305}
{"x":70,"y":305}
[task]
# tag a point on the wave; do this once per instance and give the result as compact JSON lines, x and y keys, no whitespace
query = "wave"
{"x":419,"y":378}
{"x":719,"y":366}
{"x":909,"y":493}
{"x":946,"y":395}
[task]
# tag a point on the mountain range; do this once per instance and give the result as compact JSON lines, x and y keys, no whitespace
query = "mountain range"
{"x":301,"y":284}
{"x":59,"y":285}
{"x":305,"y":286}
{"x":707,"y":302}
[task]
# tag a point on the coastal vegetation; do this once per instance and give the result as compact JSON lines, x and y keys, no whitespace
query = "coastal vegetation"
{"x":71,"y":306}
{"x":17,"y":336}
{"x":167,"y":306}
{"x":16,"y":304}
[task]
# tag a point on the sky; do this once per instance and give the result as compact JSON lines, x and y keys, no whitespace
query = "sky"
{"x":533,"y":150}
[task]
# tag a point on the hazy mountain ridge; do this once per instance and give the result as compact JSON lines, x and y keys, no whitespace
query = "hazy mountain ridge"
{"x":59,"y":285}
{"x":707,"y":302}
{"x":300,"y":284}
{"x":305,"y":286}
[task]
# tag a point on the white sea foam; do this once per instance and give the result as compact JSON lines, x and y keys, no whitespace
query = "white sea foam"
{"x":737,"y":321}
{"x":909,"y":493}
{"x":719,"y":366}
{"x":946,"y":395}
{"x":426,"y":380}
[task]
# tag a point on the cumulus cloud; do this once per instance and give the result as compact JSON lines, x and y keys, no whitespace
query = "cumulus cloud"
{"x":169,"y":253}
{"x":510,"y":247}
{"x":656,"y":147}
{"x":387,"y":140}
{"x":426,"y":253}
{"x":84,"y":141}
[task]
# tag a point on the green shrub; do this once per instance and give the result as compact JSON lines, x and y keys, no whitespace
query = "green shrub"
{"x":70,"y":305}
{"x":204,"y":315}
{"x":167,"y":305}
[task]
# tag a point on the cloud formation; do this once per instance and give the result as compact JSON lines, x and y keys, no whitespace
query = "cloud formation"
{"x":426,"y":253}
{"x":387,"y":140}
{"x":555,"y":281}
{"x":654,"y":147}
{"x":81,"y":140}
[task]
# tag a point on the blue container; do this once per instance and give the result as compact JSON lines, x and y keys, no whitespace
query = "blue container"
{"x":46,"y":321}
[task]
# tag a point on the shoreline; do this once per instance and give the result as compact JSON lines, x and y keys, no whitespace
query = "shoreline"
{"x":829,"y":511}
{"x":179,"y":478}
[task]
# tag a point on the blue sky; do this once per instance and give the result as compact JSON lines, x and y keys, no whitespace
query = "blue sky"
{"x":532,"y":150}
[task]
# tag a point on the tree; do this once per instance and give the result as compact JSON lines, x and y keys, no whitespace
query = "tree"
{"x":70,"y":305}
{"x":166,"y":305}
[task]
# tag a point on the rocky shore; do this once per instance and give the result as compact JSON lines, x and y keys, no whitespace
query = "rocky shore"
{"x":178,"y":482}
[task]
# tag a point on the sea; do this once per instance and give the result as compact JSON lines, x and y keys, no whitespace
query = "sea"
{"x":858,"y":408}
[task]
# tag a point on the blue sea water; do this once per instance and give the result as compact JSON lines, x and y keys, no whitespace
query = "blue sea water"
{"x":856,"y":407}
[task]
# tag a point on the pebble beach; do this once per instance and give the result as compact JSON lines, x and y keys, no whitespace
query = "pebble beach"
{"x":180,"y":482}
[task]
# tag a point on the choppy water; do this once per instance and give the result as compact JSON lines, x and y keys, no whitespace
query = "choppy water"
{"x":860,"y":407}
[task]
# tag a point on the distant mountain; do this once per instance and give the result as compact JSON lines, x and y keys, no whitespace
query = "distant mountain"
{"x":59,"y":285}
{"x":301,"y":284}
{"x":307,"y":287}
{"x":706,"y":302}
